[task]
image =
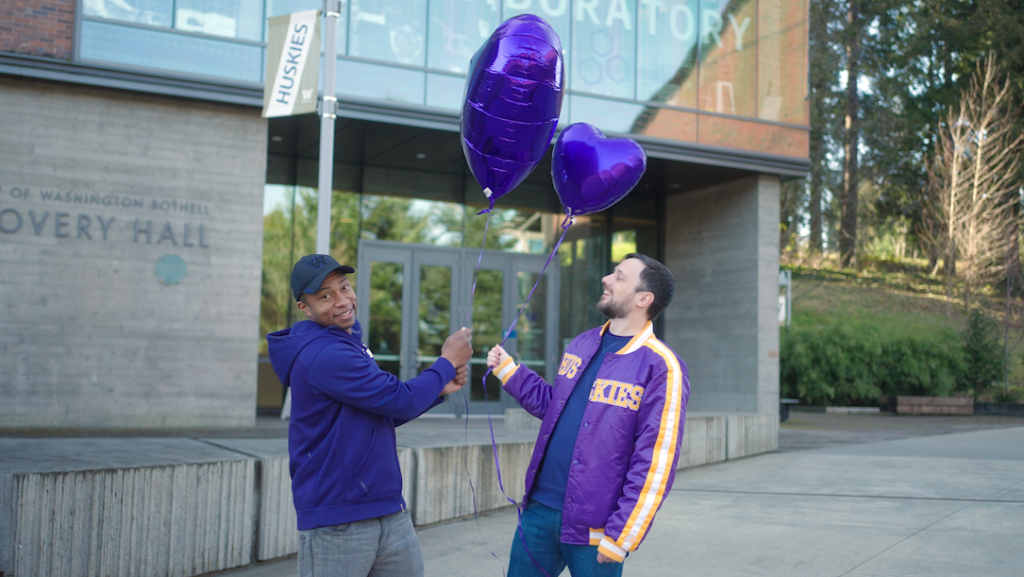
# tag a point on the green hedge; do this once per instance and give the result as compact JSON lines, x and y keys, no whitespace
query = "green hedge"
{"x":842,"y":361}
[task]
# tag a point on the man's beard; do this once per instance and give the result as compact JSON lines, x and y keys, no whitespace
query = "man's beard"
{"x":613,"y":310}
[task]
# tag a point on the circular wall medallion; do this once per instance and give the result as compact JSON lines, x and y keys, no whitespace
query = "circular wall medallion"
{"x":170,"y":269}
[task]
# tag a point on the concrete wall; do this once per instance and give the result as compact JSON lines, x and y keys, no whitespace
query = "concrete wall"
{"x":92,"y":336}
{"x":123,"y":507}
{"x":722,"y":245}
{"x":175,"y":506}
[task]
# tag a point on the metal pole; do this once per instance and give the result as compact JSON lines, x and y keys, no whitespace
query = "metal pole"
{"x":789,"y":298}
{"x":328,"y":109}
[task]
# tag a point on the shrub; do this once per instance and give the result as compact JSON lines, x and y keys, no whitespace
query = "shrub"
{"x":835,"y":360}
{"x":984,"y":354}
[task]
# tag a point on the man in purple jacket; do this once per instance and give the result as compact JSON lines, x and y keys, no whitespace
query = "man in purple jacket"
{"x":346,"y":482}
{"x":608,"y":446}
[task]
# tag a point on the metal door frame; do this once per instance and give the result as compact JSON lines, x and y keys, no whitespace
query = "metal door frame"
{"x":463,"y":264}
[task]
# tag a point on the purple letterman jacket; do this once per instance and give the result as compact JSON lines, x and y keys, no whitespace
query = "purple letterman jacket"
{"x":628,"y":445}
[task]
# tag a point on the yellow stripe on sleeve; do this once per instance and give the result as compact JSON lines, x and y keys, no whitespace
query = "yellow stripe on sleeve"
{"x":664,"y":453}
{"x":505,"y":370}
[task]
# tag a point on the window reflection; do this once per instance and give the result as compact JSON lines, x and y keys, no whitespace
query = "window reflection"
{"x":445,"y":91}
{"x":514,"y":230}
{"x":744,"y":58}
{"x":389,"y":31}
{"x":156,"y":49}
{"x":610,"y":115}
{"x":583,"y":263}
{"x":365,"y":80}
{"x":782,"y":61}
{"x":411,"y":220}
{"x":149,"y":12}
{"x":229,"y":18}
{"x":604,"y":47}
{"x":289,"y":231}
{"x":727,"y":56}
{"x":667,"y":52}
{"x":457,"y":29}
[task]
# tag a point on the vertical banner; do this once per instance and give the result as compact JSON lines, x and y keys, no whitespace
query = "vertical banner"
{"x":293,"y":64}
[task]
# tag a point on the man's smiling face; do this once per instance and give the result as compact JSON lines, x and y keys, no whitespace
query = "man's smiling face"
{"x":334,"y":305}
{"x":619,"y":296}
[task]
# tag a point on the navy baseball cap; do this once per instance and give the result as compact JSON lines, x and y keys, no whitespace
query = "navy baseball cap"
{"x":311,"y":270}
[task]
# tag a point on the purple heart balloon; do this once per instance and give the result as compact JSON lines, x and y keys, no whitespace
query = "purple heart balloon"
{"x":591,"y":172}
{"x":513,"y":99}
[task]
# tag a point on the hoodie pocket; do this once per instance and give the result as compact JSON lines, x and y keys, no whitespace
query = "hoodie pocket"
{"x":378,"y":473}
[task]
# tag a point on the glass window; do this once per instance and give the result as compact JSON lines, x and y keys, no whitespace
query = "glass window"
{"x":445,"y":91}
{"x":385,"y":331}
{"x":604,"y":47}
{"x":727,"y":56}
{"x":667,"y":51}
{"x":583,"y":257}
{"x":150,"y":12}
{"x":457,"y":29}
{"x":623,"y":243}
{"x":487,"y":328}
{"x":782,"y":61}
{"x":514,"y":230}
{"x":289,"y":232}
{"x":608,"y":115}
{"x":192,"y":55}
{"x":666,"y":123}
{"x":373,"y":81}
{"x":757,"y":136}
{"x":411,"y":220}
{"x":388,"y":30}
{"x":229,"y":18}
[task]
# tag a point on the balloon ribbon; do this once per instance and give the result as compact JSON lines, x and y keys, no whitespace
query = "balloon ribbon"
{"x":568,"y":222}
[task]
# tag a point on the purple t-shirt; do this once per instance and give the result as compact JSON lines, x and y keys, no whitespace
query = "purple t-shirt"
{"x":549,"y":486}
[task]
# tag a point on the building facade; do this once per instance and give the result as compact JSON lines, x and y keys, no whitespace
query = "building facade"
{"x":149,"y":217}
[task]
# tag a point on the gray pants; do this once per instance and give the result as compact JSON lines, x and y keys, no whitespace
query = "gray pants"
{"x":381,"y":547}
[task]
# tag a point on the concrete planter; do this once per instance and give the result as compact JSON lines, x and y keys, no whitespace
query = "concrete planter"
{"x":904,"y":405}
{"x":1004,"y":409}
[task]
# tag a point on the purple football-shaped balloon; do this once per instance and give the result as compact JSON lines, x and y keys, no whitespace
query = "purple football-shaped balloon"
{"x":513,"y":99}
{"x":591,"y":172}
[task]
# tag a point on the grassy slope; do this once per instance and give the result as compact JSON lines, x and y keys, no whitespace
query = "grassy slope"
{"x":898,"y":296}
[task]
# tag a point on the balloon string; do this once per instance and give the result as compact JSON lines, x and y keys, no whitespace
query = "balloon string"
{"x":569,"y":221}
{"x":476,"y":273}
{"x":472,"y":490}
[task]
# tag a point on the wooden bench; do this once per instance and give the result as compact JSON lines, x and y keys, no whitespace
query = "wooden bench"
{"x":902,"y":405}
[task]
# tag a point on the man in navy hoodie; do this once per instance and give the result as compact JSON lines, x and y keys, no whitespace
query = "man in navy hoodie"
{"x":346,"y":482}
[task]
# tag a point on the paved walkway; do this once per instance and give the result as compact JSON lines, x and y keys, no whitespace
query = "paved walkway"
{"x":881,"y":496}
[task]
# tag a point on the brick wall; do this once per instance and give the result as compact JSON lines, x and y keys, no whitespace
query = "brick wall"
{"x":37,"y":27}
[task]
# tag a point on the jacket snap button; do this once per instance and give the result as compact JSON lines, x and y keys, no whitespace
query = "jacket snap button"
{"x":575,"y":461}
{"x":585,"y":425}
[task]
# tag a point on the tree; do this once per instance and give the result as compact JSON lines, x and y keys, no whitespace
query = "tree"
{"x":984,"y":359}
{"x":852,"y":45}
{"x":975,"y":169}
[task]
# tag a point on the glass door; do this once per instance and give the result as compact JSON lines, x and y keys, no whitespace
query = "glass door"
{"x":383,"y":295}
{"x":411,"y":297}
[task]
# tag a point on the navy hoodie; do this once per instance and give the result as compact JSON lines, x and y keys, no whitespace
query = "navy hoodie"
{"x":341,"y":438}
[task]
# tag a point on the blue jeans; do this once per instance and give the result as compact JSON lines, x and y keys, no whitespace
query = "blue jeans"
{"x":542,"y":527}
{"x":379,"y":547}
